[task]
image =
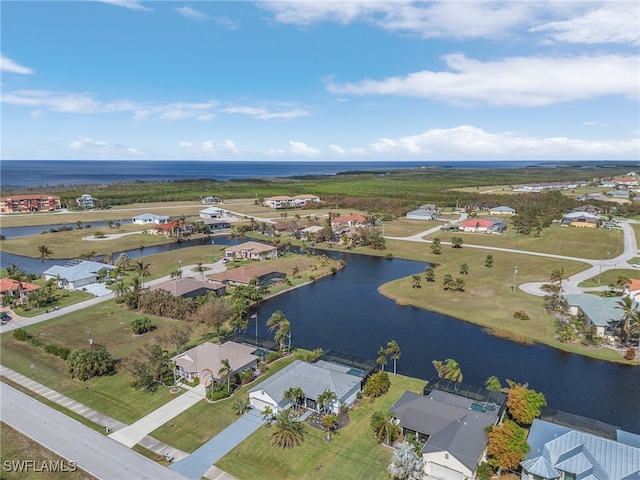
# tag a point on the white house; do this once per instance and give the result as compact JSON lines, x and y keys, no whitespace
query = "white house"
{"x":502,"y":210}
{"x":85,"y":201}
{"x":421,"y":214}
{"x":285,"y":201}
{"x":214,"y":212}
{"x":150,"y":219}
{"x":314,"y":379}
{"x":77,"y":273}
{"x":251,"y":251}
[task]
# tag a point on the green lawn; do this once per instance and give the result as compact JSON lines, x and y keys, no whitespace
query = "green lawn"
{"x":353,"y":453}
{"x":197,"y":425}
{"x":109,"y":324}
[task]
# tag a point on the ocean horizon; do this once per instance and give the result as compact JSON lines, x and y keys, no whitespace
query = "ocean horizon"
{"x":17,"y":174}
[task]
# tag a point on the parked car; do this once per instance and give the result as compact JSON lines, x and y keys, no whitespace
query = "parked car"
{"x":635,"y":265}
{"x":5,"y":317}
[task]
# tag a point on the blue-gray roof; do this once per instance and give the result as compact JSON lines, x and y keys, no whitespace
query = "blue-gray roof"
{"x":77,"y":270}
{"x":448,"y":419}
{"x":502,"y":208}
{"x":577,"y":452}
{"x":312,"y":378}
{"x":601,"y":311}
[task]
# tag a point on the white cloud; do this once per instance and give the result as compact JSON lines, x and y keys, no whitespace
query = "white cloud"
{"x":299,"y":148}
{"x":523,"y":81}
{"x":208,"y":148}
{"x":91,"y":148}
{"x":36,"y":114}
{"x":264,"y":114}
{"x":130,"y":4}
{"x":468,"y":142}
{"x":617,"y":22}
{"x":8,"y":65}
{"x":83,"y":103}
{"x":189,"y":12}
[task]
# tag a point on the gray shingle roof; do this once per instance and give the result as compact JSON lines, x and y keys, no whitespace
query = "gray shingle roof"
{"x":449,"y":421}
{"x":600,"y":311}
{"x":313,"y":379}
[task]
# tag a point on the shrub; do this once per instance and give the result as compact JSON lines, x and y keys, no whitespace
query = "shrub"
{"x":21,"y":335}
{"x":377,"y":384}
{"x":389,"y":255}
{"x":520,"y":315}
{"x":61,"y":352}
{"x":630,"y":354}
{"x":273,"y":356}
{"x":85,"y":364}
{"x":141,"y":325}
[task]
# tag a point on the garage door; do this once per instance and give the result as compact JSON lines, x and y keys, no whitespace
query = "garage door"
{"x":260,"y":404}
{"x":443,"y":473}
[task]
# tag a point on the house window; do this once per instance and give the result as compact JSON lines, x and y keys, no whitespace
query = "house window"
{"x":569,"y":476}
{"x":446,"y":456}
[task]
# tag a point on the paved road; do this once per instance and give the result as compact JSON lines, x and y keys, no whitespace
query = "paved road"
{"x":99,"y":455}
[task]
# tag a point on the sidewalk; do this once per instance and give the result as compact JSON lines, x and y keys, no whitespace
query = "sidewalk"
{"x":86,"y":412}
{"x":134,"y":433}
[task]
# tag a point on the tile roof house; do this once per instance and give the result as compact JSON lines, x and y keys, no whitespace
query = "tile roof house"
{"x":245,"y":274}
{"x":313,"y":378}
{"x":353,"y":220}
{"x":251,"y":251}
{"x":560,"y":452}
{"x":485,"y":225}
{"x":9,"y":286}
{"x":205,"y":360}
{"x":77,"y":273}
{"x":29,"y":203}
{"x":452,"y":427}
{"x":604,"y":313}
{"x":191,"y":288}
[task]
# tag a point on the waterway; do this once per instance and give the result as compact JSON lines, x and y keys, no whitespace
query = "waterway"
{"x":345,"y":312}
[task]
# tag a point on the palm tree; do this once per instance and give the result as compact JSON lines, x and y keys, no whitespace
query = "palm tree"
{"x":385,"y":429}
{"x":240,"y":406}
{"x":267,"y":415}
{"x":331,"y":422}
{"x":120,"y":289}
{"x":296,"y":395}
{"x":449,"y":369}
{"x":282,"y":327}
{"x":225,"y":373}
{"x":325,"y":399}
{"x":45,"y":252}
{"x":557,"y":276}
{"x":200,"y":269}
{"x":629,"y":315}
{"x":493,"y":383}
{"x":393,"y":349}
{"x":622,"y":281}
{"x":141,"y":269}
{"x":288,"y":433}
{"x":406,"y":464}
{"x":382,"y":358}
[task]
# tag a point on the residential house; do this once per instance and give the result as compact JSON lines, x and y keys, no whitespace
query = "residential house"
{"x":192,"y":288}
{"x":251,"y":251}
{"x":210,"y":199}
{"x":451,"y":429}
{"x":285,"y":201}
{"x":545,"y":186}
{"x":483,"y":225}
{"x":310,"y":231}
{"x":85,"y":201}
{"x":559,"y":451}
{"x":150,"y":219}
{"x":580,"y":219}
{"x":625,"y":182}
{"x":604,"y":313}
{"x":314,"y":379}
{"x":592,"y":209}
{"x":421,"y":214}
{"x":214,"y":212}
{"x":622,"y":194}
{"x":205,"y":361}
{"x":429,"y":207}
{"x":245,"y":274}
{"x":216,"y":224}
{"x":11,"y":287}
{"x":29,"y":203}
{"x":283,"y":228}
{"x":77,"y":273}
{"x":352,"y":220}
{"x":502,"y":210}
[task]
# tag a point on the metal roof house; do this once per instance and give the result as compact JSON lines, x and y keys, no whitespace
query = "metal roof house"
{"x":77,"y":273}
{"x":604,"y":313}
{"x":191,"y":288}
{"x":502,"y":210}
{"x":452,"y":428}
{"x":314,"y":379}
{"x":150,"y":219}
{"x":560,"y":452}
{"x":421,"y":214}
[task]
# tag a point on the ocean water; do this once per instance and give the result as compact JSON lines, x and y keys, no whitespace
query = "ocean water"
{"x":32,"y":173}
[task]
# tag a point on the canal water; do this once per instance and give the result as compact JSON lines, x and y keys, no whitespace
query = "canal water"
{"x":345,"y":312}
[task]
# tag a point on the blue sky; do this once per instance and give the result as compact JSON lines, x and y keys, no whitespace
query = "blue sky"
{"x":307,"y":80}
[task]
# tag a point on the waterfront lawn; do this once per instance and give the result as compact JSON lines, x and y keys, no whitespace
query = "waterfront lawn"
{"x":72,"y":243}
{"x":197,"y":425}
{"x":109,"y":324}
{"x":353,"y":452}
{"x":592,"y":243}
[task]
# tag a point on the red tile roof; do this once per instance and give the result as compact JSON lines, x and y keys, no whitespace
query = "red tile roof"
{"x":11,"y":285}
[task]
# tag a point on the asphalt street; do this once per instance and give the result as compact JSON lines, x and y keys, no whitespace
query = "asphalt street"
{"x":97,"y":454}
